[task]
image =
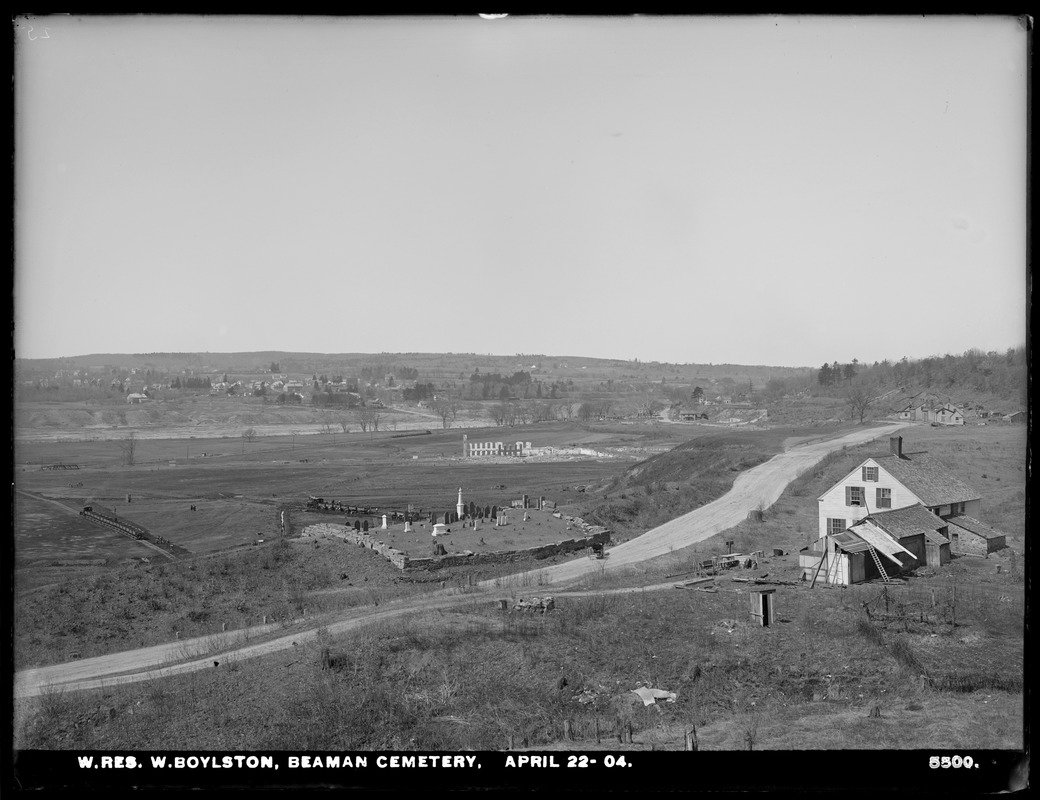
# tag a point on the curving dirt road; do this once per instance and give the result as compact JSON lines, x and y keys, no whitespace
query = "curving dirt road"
{"x":761,"y":485}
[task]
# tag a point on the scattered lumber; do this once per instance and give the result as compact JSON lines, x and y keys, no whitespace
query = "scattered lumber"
{"x":775,"y":581}
{"x":693,"y":581}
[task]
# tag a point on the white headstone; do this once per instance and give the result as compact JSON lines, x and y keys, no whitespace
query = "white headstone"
{"x":384,"y":522}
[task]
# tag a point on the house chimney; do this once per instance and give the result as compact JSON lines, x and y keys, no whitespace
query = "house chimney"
{"x":895,"y":444}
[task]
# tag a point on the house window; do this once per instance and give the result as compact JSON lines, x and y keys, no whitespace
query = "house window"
{"x":854,"y":496}
{"x":870,"y":474}
{"x":835,"y":526}
{"x":884,"y":498}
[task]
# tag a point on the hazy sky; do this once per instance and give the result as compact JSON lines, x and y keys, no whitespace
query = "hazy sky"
{"x":758,"y":190}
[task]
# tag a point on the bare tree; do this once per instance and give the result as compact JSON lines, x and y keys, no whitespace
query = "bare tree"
{"x":249,"y":435}
{"x":499,"y":413}
{"x":443,"y":410}
{"x":129,"y":448}
{"x":454,"y":406}
{"x":775,"y":390}
{"x":860,"y":396}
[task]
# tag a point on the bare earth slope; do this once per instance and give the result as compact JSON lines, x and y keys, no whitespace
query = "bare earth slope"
{"x":761,"y":485}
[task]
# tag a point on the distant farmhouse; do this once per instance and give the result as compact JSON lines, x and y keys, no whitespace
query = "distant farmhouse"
{"x":931,"y":410}
{"x":895,"y":513}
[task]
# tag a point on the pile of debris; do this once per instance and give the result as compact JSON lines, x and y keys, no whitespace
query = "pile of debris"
{"x":535,"y":604}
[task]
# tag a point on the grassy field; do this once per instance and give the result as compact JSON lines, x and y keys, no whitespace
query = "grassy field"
{"x":481,"y":678}
{"x":87,"y":590}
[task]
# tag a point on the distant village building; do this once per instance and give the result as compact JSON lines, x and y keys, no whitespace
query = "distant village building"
{"x":136,"y":397}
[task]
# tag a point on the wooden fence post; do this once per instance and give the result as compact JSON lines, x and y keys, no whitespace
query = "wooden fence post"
{"x":568,"y":734}
{"x":326,"y":659}
{"x":691,"y":739}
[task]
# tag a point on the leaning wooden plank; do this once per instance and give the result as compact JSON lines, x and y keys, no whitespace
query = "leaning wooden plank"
{"x":813,"y":582}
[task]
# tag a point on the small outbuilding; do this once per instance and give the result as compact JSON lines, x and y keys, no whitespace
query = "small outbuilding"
{"x":970,"y":537}
{"x":763,"y":606}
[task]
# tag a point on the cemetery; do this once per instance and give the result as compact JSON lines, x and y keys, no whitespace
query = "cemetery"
{"x":469,"y":533}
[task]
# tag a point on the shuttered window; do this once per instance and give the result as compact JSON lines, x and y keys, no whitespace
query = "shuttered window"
{"x":884,"y":498}
{"x":835,"y":526}
{"x":870,"y":474}
{"x":854,"y":496}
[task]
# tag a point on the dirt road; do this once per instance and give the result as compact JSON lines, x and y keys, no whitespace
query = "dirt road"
{"x":761,"y":485}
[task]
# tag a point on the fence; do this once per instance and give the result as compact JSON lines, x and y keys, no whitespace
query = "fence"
{"x":133,"y":530}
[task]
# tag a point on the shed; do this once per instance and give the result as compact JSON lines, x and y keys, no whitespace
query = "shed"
{"x":970,"y":537}
{"x":866,"y":552}
{"x":906,"y":524}
{"x":763,"y":606}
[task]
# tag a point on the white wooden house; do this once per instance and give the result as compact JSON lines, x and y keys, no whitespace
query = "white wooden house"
{"x":896,"y":480}
{"x":894,"y":513}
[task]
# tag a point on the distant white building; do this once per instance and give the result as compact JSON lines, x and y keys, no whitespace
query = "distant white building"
{"x":514,"y":449}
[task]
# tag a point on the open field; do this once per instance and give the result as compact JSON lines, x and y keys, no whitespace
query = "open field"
{"x":72,"y":567}
{"x":479,"y":678}
{"x":482,"y":678}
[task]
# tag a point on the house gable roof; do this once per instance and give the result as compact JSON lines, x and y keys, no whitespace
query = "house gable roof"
{"x":929,"y":479}
{"x":870,"y":462}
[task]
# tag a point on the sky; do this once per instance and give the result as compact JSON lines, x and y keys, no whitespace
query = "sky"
{"x":750,"y":190}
